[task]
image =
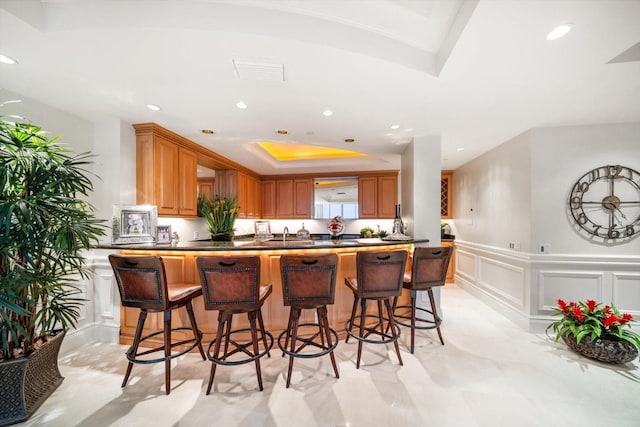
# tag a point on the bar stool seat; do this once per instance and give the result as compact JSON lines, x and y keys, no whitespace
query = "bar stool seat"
{"x":429,"y":269}
{"x":379,"y":278}
{"x":230,"y":284}
{"x":308,"y":282}
{"x":142,"y":284}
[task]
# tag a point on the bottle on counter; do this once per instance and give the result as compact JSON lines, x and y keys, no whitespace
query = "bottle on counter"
{"x":303,"y":234}
{"x":398,"y":225}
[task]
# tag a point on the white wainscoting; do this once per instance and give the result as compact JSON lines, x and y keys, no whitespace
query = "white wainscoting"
{"x":525,"y":287}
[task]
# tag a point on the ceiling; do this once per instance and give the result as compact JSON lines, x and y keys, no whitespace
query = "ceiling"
{"x":476,"y":73}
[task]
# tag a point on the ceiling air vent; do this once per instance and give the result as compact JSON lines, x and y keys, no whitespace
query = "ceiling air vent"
{"x":258,"y":70}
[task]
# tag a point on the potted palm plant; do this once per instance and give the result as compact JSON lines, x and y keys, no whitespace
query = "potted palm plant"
{"x":220,"y":214}
{"x":45,"y":224}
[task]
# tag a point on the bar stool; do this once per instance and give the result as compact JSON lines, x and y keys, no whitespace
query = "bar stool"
{"x":231,"y":285}
{"x":308,"y":282}
{"x":429,"y":269}
{"x":142,"y":284}
{"x":379,"y":278}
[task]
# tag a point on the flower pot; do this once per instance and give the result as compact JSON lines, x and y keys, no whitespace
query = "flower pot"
{"x":28,"y":381}
{"x":222,"y":237}
{"x":602,"y":349}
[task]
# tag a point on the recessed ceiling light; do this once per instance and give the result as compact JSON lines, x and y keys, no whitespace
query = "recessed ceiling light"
{"x":327,"y":113}
{"x":559,"y":31}
{"x":241,"y":105}
{"x":460,"y":149}
{"x":208,"y":131}
{"x":282,"y":132}
{"x":153,"y":107}
{"x":394,"y":127}
{"x":349,"y":140}
{"x":7,"y":59}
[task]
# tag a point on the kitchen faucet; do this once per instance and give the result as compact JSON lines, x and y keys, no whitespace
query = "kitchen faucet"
{"x":285,"y":231}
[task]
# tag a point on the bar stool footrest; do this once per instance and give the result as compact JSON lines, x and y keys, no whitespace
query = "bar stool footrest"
{"x":384,"y":337}
{"x":433,"y":324}
{"x":308,"y":341}
{"x":135,"y":358}
{"x":244,"y":347}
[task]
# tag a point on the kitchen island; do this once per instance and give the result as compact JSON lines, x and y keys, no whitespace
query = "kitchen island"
{"x":180,"y":264}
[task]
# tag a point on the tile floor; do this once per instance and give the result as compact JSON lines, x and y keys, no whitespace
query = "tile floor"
{"x":489,"y":373}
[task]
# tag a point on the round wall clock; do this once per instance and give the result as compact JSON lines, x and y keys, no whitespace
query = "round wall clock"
{"x":605,"y":202}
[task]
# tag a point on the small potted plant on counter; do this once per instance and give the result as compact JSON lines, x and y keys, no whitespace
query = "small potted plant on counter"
{"x":366,"y":232}
{"x":221,"y":214}
{"x":596,"y":331}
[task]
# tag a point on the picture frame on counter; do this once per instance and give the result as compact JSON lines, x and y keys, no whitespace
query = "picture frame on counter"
{"x":135,"y":224}
{"x":163,"y":234}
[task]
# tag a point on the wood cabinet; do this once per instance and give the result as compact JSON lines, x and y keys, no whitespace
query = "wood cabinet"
{"x":287,"y":198}
{"x":268,"y":190}
{"x":377,"y":196}
{"x":206,"y":187}
{"x":446,"y":194}
{"x":451,"y":271}
{"x":244,"y":187}
{"x":166,"y":176}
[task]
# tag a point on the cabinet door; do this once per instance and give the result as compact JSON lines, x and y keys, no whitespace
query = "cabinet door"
{"x":243,"y":195}
{"x":166,"y":176}
{"x":303,"y":198}
{"x":255,"y":197}
{"x":368,"y":197}
{"x":268,"y":204}
{"x":451,"y":270}
{"x":387,"y":196}
{"x":188,"y":183}
{"x":205,"y":187}
{"x":284,"y":198}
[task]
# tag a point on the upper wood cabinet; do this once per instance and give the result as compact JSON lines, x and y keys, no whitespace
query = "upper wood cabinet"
{"x":166,"y":176}
{"x":377,"y":196}
{"x":446,"y":194}
{"x":244,"y":187}
{"x":206,"y":187}
{"x":287,"y":198}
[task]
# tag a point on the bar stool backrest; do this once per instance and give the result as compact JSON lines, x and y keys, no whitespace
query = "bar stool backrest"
{"x":308,"y":279}
{"x":430,"y":267}
{"x":230,"y":282}
{"x":142,"y":281}
{"x":380,"y":274}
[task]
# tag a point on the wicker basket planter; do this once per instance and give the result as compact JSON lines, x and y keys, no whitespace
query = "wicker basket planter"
{"x":27,"y":382}
{"x":604,"y":350}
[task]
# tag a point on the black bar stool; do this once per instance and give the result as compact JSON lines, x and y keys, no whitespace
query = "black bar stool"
{"x":379,"y":278}
{"x":308,"y":282}
{"x":429,"y":269}
{"x":143,"y":284}
{"x":232,"y":285}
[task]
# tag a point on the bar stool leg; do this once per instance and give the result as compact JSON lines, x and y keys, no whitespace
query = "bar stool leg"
{"x":353,"y":313}
{"x":436,"y":318}
{"x":289,"y":328}
{"x":363,"y":314}
{"x":134,"y":346}
{"x":413,"y":319}
{"x":324,"y":320}
{"x":321,"y":329}
{"x":216,"y":349}
{"x":254,"y":338}
{"x":194,"y":327}
{"x":392,"y":322}
{"x":167,"y":351}
{"x":262,"y":329}
{"x":295,"y":317}
{"x":227,"y":335}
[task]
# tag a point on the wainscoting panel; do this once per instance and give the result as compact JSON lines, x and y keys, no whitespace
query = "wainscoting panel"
{"x":466,"y":263}
{"x":569,"y":286}
{"x":505,"y":280}
{"x":626,"y":292}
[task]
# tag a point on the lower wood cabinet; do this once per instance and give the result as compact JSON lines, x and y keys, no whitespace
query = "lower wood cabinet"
{"x":451,"y":271}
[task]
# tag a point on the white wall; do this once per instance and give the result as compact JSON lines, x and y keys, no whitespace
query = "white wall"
{"x":560,"y":156}
{"x":492,"y":196}
{"x":519,"y":192}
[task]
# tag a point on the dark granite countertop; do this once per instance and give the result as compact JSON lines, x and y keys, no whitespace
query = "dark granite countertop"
{"x":250,"y":244}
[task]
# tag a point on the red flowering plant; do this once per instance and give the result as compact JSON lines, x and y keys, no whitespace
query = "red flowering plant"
{"x":595,"y":320}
